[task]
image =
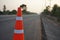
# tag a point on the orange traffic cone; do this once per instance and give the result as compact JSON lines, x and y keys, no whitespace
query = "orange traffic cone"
{"x":18,"y":29}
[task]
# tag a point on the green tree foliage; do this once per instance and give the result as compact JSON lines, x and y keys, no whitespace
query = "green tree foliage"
{"x":57,"y":12}
{"x":13,"y":11}
{"x":7,"y":12}
{"x":1,"y":12}
{"x":4,"y":8}
{"x":46,"y":11}
{"x":24,"y":11}
{"x":54,"y":10}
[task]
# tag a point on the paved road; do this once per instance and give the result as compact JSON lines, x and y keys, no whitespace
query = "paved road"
{"x":31,"y":27}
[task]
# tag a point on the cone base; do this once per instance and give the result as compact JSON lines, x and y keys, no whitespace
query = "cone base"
{"x":18,"y":37}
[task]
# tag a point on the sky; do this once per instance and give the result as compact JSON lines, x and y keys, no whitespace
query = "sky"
{"x":32,"y":5}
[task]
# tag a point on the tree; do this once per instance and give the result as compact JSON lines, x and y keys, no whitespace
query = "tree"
{"x":46,"y":11}
{"x":24,"y":7}
{"x":4,"y":9}
{"x":56,"y":12}
{"x":54,"y":9}
{"x":0,"y":12}
{"x":7,"y":12}
{"x":13,"y":11}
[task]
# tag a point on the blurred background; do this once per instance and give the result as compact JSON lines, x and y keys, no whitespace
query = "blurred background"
{"x":41,"y":19}
{"x":32,"y":5}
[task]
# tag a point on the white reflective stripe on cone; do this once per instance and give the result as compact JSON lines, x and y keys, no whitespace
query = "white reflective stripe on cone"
{"x":18,"y":31}
{"x":19,"y":18}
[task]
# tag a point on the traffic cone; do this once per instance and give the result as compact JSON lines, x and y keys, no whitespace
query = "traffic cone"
{"x":18,"y":29}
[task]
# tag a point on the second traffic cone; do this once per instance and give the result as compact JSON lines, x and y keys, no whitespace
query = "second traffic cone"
{"x":18,"y":29}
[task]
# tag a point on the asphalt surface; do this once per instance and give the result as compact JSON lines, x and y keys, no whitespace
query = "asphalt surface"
{"x":31,"y":27}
